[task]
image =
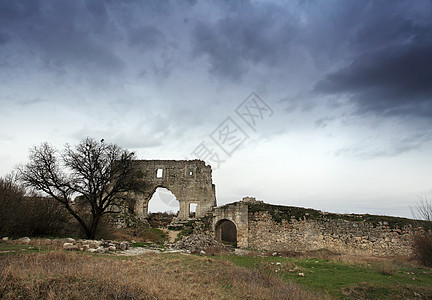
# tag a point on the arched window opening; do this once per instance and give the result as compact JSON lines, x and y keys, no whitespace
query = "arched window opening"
{"x":163,"y":201}
{"x":192,"y":210}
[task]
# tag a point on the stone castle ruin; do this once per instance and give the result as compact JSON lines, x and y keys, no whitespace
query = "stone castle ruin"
{"x":257,"y":225}
{"x":189,"y":180}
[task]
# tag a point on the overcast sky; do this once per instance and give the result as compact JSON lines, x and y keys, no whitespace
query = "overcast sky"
{"x":341,"y":120}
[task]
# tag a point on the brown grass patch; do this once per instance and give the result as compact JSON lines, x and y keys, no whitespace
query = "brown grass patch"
{"x":385,"y":267}
{"x":60,"y":275}
{"x":372,"y":291}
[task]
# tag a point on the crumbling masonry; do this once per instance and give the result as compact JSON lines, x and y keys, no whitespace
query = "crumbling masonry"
{"x":253,"y":224}
{"x":189,"y":180}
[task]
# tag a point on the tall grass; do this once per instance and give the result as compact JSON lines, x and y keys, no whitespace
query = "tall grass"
{"x":59,"y":275}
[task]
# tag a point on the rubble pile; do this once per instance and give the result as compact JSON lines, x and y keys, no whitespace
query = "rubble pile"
{"x":198,"y":243}
{"x":94,"y":246}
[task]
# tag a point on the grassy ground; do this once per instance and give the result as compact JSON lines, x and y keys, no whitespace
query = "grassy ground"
{"x":43,"y":272}
{"x":356,"y":278}
{"x":55,"y":274}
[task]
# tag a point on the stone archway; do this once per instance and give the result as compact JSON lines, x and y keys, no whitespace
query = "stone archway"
{"x":228,"y":215}
{"x":164,"y":201}
{"x":143,"y":200}
{"x":226,"y":231}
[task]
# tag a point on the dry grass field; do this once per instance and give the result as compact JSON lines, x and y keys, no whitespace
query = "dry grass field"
{"x":42,"y":270}
{"x":66,"y":275}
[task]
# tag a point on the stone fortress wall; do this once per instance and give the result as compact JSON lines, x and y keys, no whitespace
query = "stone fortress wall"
{"x":268,"y":228}
{"x":339,"y":236}
{"x":257,"y":225}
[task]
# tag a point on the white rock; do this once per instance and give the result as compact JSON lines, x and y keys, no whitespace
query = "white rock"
{"x":301,"y":274}
{"x":5,"y":239}
{"x":24,"y":240}
{"x":70,"y":247}
{"x":123,"y":246}
{"x":70,"y":240}
{"x":91,"y":250}
{"x":100,"y":250}
{"x":111,"y":248}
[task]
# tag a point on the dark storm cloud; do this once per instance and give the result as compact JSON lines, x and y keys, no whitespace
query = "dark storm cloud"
{"x":3,"y":39}
{"x":391,"y":69}
{"x":245,"y":36}
{"x":146,"y":38}
{"x":389,"y":82}
{"x":59,"y":33}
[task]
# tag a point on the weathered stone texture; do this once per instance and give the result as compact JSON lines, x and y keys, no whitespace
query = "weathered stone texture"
{"x":236,"y":213}
{"x":343,"y":236}
{"x":189,"y":180}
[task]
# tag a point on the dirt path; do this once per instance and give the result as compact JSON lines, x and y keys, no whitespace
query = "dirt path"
{"x":172,"y":234}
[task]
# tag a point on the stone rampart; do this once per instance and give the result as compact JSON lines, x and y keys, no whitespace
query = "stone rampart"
{"x":266,"y":227}
{"x":342,"y":236}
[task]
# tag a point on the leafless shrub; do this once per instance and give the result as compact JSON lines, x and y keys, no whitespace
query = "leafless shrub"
{"x":423,"y":248}
{"x":422,"y":242}
{"x":22,"y":215}
{"x":385,"y":267}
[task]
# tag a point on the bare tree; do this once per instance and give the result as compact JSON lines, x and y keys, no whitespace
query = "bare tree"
{"x":423,"y":209}
{"x":96,"y":172}
{"x":423,"y":240}
{"x":422,"y":212}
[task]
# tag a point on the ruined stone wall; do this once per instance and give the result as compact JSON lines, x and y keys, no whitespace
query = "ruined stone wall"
{"x":343,"y":236}
{"x":189,"y":180}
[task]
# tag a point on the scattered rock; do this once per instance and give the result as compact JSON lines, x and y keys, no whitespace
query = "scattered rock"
{"x":100,"y":250}
{"x":123,"y":246}
{"x":141,"y":250}
{"x":24,"y":240}
{"x":94,"y":246}
{"x":301,"y":274}
{"x":70,"y":247}
{"x":5,"y":239}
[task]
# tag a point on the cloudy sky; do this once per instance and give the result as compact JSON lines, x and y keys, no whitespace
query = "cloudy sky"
{"x":341,"y":118}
